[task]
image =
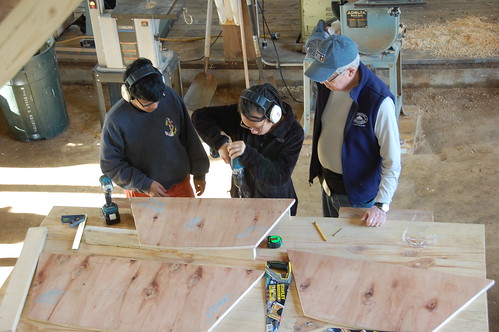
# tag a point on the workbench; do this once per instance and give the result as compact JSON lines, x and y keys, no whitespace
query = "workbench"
{"x":459,"y":249}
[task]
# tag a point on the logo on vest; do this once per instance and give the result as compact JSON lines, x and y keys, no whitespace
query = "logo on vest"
{"x":360,"y":120}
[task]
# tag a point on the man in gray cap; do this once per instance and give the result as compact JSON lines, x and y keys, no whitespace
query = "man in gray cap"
{"x":356,"y":145}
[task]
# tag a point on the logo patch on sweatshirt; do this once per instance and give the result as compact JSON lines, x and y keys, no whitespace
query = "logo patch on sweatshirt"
{"x":360,"y":120}
{"x":171,"y":130}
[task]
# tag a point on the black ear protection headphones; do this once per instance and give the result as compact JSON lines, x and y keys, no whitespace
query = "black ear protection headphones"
{"x":273,"y":111}
{"x":135,"y":76}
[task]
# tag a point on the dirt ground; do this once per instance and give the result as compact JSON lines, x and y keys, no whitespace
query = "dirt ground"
{"x":452,"y":172}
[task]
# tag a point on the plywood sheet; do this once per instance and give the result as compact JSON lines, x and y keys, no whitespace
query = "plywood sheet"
{"x":176,"y":222}
{"x":124,"y":294}
{"x":379,"y":296}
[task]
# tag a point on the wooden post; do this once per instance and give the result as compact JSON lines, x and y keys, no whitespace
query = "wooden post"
{"x":18,"y":287}
{"x":231,"y":35}
{"x":25,"y":28}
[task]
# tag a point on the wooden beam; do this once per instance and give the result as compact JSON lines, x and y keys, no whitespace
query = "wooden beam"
{"x":393,"y":214}
{"x":20,"y":281}
{"x":25,"y":28}
{"x":128,"y":238}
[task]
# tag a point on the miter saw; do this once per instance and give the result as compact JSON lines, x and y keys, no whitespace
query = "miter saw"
{"x":375,"y":26}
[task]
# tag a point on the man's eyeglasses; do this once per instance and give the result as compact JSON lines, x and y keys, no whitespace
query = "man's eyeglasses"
{"x":146,"y":105}
{"x":254,"y":129}
{"x":332,"y":78}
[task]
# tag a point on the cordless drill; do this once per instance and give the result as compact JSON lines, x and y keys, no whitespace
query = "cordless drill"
{"x":110,"y":209}
{"x":238,"y":178}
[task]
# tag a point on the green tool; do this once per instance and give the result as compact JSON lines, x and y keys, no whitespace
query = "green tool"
{"x":274,"y":241}
{"x":276,"y":289}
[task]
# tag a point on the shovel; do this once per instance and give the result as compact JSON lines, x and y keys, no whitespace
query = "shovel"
{"x":203,"y":86}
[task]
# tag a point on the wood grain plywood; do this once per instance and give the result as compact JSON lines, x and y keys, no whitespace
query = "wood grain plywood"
{"x":124,"y":294}
{"x":175,"y":222}
{"x":403,"y":215}
{"x":387,"y":297}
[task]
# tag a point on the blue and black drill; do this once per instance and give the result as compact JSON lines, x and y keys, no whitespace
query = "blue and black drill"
{"x":110,"y":209}
{"x":238,"y":178}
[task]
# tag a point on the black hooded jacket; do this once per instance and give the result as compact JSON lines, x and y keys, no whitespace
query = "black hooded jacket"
{"x":268,"y":160}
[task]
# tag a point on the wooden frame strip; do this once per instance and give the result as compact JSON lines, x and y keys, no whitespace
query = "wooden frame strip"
{"x":25,"y":28}
{"x":20,"y":281}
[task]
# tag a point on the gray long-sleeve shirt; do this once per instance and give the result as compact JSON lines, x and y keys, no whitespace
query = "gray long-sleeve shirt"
{"x":386,"y":130}
{"x":138,"y":147}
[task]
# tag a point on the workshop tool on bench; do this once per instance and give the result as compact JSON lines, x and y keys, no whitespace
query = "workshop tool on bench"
{"x":73,"y":219}
{"x":79,"y":232}
{"x":276,"y":289}
{"x":274,"y":241}
{"x":316,"y":225}
{"x":110,"y":209}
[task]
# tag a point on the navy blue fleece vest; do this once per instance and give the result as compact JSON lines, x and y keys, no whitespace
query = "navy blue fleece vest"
{"x":361,"y":161}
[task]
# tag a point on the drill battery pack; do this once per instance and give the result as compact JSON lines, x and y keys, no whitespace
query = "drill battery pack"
{"x":111,"y":214}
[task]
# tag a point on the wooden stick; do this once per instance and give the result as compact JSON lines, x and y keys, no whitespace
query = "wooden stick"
{"x":79,"y":234}
{"x":22,"y":34}
{"x":320,"y":231}
{"x":243,"y":45}
{"x":22,"y":275}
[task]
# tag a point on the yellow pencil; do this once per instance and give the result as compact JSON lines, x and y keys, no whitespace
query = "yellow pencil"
{"x":320,"y":232}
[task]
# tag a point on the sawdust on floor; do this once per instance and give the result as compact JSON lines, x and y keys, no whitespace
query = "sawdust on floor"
{"x":470,"y":37}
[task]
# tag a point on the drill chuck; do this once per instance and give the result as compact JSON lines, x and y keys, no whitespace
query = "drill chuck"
{"x":106,"y":183}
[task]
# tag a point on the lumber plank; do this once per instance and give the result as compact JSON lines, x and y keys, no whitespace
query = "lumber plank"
{"x":24,"y":30}
{"x":393,"y":214}
{"x":18,"y":287}
{"x":126,"y":294}
{"x":380,"y":296}
{"x":118,"y":237}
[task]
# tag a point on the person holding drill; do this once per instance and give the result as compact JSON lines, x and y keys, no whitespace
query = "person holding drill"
{"x":262,"y":133}
{"x":149,"y":146}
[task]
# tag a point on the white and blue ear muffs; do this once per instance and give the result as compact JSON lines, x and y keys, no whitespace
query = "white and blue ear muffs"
{"x":273,"y":111}
{"x":135,"y":76}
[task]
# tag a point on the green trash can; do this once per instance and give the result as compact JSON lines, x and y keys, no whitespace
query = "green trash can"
{"x":32,"y":102}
